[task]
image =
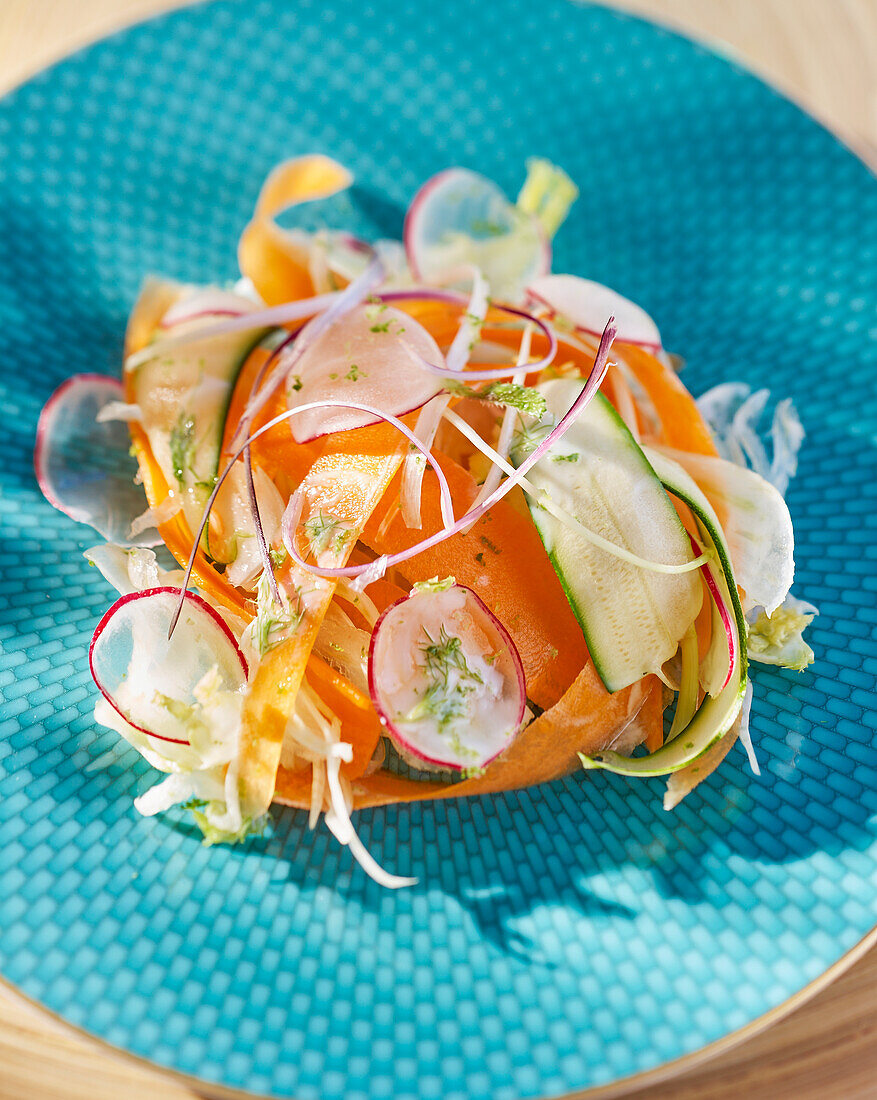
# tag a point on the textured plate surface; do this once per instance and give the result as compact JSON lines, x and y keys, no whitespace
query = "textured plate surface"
{"x":561,"y":937}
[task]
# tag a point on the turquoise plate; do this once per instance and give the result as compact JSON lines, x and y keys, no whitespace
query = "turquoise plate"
{"x":560,"y":937}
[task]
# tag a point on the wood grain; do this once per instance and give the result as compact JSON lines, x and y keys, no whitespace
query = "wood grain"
{"x":823,"y":53}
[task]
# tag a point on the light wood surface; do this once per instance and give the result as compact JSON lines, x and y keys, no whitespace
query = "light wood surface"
{"x":823,"y":53}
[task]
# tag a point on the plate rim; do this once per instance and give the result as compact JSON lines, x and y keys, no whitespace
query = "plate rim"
{"x":614,"y":1090}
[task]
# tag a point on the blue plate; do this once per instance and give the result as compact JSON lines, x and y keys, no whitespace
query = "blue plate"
{"x":560,"y":937}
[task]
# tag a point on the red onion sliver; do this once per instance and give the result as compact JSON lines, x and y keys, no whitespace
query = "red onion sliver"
{"x":209,"y":302}
{"x":287,"y":313}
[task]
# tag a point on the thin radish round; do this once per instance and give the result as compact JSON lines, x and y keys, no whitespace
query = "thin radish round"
{"x":361,"y":358}
{"x":153,"y":681}
{"x":586,"y":305}
{"x":84,"y":466}
{"x":446,"y":678}
{"x":460,"y":219}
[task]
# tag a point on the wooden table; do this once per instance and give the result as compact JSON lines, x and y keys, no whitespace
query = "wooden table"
{"x":823,"y":53}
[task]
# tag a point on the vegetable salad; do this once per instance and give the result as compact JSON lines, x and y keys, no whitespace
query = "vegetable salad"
{"x":440,"y":521}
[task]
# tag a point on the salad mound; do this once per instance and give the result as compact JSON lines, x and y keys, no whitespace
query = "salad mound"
{"x":444,"y":522}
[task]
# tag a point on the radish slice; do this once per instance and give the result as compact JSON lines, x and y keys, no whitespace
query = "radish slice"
{"x":361,"y":358}
{"x":586,"y":305}
{"x":285,"y":368}
{"x":369,"y":572}
{"x":209,"y":302}
{"x":446,"y":678}
{"x":152,"y":681}
{"x":84,"y":466}
{"x":460,"y":219}
{"x":757,"y":526}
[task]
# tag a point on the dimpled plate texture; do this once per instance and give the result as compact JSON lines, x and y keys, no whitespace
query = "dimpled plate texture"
{"x":560,"y":937}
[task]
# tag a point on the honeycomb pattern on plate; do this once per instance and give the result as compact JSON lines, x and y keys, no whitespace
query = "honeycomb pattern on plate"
{"x":560,"y":937}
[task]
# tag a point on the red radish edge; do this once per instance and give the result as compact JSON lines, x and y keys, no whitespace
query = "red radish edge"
{"x":411,"y":213}
{"x":516,"y":661}
{"x":647,"y":345}
{"x":186,"y":595}
{"x":43,"y":428}
{"x":723,"y":612}
{"x":407,"y":228}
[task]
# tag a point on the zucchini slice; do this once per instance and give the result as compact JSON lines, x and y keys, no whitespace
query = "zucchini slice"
{"x":718,"y":711}
{"x":632,"y":617}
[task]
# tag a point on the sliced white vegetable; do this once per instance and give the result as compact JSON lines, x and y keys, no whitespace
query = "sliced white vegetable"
{"x":361,"y":358}
{"x":184,"y":395}
{"x":341,"y":827}
{"x":153,"y":681}
{"x":745,"y":733}
{"x":756,"y":524}
{"x":232,"y":514}
{"x":84,"y":466}
{"x":344,"y":646}
{"x":787,"y":435}
{"x":585,"y":305}
{"x":120,"y":410}
{"x":632,"y":618}
{"x":446,"y":678}
{"x":460,"y":220}
{"x":415,"y":464}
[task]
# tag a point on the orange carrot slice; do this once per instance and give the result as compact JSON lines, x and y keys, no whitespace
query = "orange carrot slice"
{"x":360,"y":724}
{"x":682,"y":426}
{"x":503,"y":557}
{"x":272,"y":258}
{"x":347,"y":482}
{"x":586,"y":719}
